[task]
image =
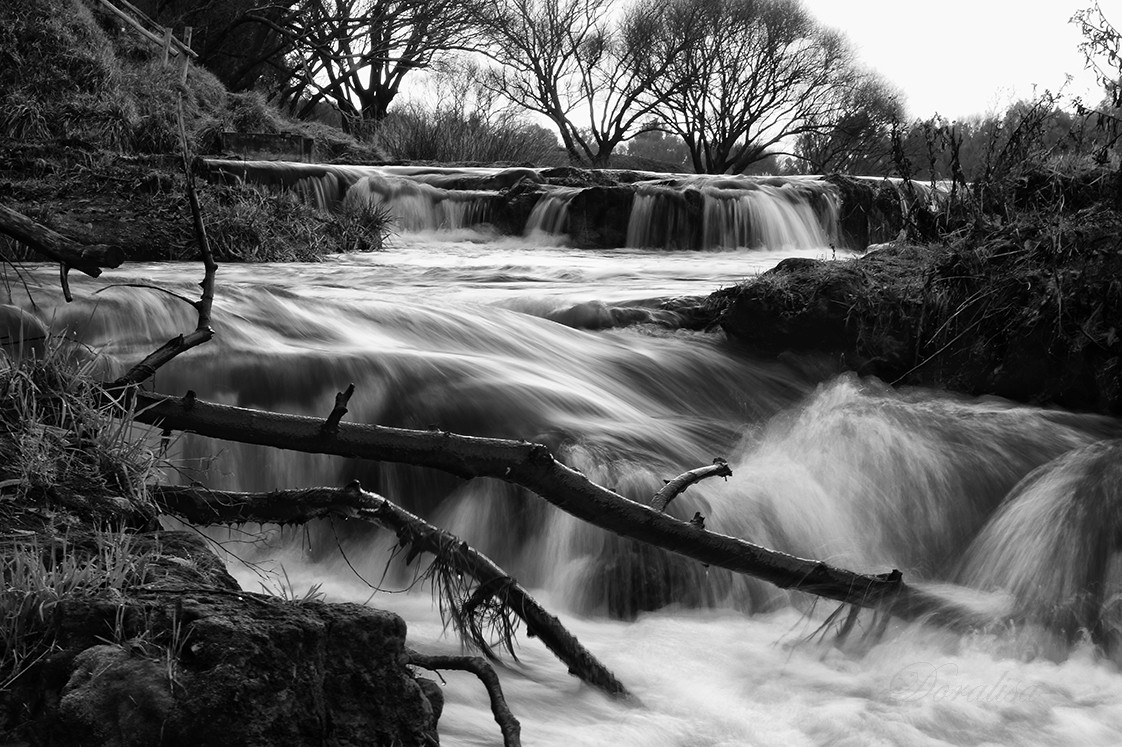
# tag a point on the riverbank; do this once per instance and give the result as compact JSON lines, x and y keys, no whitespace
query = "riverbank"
{"x":1026,"y":308}
{"x":118,"y":631}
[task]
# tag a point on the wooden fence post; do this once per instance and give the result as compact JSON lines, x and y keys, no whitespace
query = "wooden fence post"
{"x":167,"y":44}
{"x":187,"y":31}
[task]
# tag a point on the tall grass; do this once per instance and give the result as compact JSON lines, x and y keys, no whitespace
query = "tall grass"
{"x":247,"y":223}
{"x":37,"y":575}
{"x":69,"y":457}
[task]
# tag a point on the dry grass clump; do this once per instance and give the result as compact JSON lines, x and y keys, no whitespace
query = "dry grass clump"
{"x":69,"y":71}
{"x":65,"y":445}
{"x":68,"y":461}
{"x":38,"y":574}
{"x":1037,"y":298}
{"x":247,"y":223}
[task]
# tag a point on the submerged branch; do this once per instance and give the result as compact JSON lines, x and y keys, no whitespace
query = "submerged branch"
{"x":533,"y":466}
{"x":511,"y":729}
{"x":203,"y":506}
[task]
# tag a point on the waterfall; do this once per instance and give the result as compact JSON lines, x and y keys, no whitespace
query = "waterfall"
{"x":417,"y":206}
{"x":968,"y":496}
{"x":1054,"y":544}
{"x":735,"y":212}
{"x":550,"y":215}
{"x":680,"y":212}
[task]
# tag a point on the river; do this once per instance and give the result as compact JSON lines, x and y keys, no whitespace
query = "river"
{"x":527,"y":338}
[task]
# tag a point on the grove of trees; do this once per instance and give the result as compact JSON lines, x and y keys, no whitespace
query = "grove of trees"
{"x":718,"y":86}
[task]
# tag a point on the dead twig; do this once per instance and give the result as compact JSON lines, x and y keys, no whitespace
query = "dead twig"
{"x":146,"y":368}
{"x":508,"y":724}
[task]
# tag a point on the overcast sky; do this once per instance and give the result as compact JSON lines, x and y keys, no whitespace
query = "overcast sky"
{"x":963,"y":57}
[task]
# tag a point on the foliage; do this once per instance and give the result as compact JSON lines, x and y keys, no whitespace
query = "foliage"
{"x":856,"y":137}
{"x":657,"y":145}
{"x":1102,"y":49}
{"x":243,"y":55}
{"x":246,"y":223}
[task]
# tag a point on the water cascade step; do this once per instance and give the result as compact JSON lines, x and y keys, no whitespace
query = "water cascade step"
{"x":588,"y":209}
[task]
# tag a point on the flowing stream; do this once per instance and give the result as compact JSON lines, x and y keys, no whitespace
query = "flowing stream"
{"x":526,"y":338}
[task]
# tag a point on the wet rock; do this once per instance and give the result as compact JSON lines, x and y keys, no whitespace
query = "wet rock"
{"x":190,"y":659}
{"x":114,"y":697}
{"x":869,"y":211}
{"x":203,"y":668}
{"x":598,"y":216}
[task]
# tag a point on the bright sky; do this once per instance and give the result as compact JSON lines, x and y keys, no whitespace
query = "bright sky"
{"x":963,"y":57}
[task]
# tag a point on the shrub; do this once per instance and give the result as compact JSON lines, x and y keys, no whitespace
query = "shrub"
{"x":248,"y":223}
{"x":450,"y":133}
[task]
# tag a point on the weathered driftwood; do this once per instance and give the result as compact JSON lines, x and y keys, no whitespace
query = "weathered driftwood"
{"x":508,"y":724}
{"x":87,"y":258}
{"x":202,"y":506}
{"x":534,"y":467}
{"x":673,"y":488}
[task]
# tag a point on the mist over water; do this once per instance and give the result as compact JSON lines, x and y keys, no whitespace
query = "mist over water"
{"x":522,"y":338}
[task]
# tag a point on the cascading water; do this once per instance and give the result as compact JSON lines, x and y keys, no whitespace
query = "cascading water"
{"x":417,"y":206}
{"x":550,"y":215}
{"x":776,"y":214}
{"x":463,"y":335}
{"x":682,"y":212}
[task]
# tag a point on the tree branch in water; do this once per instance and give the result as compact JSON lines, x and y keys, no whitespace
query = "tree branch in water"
{"x":511,"y":729}
{"x":533,"y":466}
{"x":202,"y":506}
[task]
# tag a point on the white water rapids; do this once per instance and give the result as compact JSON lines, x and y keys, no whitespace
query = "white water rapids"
{"x":499,"y":337}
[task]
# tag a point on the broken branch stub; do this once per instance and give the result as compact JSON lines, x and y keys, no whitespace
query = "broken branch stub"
{"x":673,"y":488}
{"x":86,"y":258}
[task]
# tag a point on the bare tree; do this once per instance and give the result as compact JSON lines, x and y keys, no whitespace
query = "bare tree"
{"x":243,"y":54}
{"x":590,"y":76}
{"x":354,"y":54}
{"x":857,"y":137}
{"x":754,"y":73}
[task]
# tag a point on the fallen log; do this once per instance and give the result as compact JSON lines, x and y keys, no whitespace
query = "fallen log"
{"x":533,"y":466}
{"x":199,"y":505}
{"x":87,"y":258}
